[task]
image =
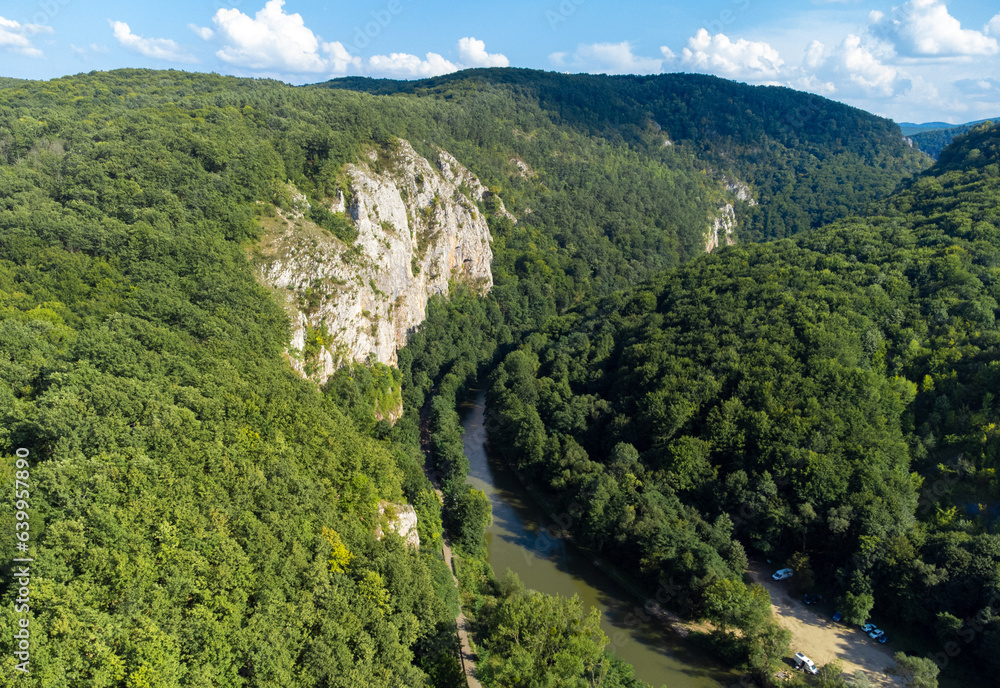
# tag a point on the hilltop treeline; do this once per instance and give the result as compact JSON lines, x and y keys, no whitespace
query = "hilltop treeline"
{"x":200,"y":515}
{"x":828,"y":401}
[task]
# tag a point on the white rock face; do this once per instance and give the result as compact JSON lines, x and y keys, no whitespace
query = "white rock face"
{"x":418,"y":227}
{"x":722,"y":229}
{"x":402,"y":520}
{"x":741,"y":189}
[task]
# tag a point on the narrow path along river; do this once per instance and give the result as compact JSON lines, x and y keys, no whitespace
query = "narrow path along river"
{"x":521,"y":539}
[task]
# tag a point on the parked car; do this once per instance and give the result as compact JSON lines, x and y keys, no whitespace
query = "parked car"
{"x":838,"y":616}
{"x":804,"y":663}
{"x":782,"y":574}
{"x":868,"y":628}
{"x":812,"y":598}
{"x":883,"y":638}
{"x":876,"y":634}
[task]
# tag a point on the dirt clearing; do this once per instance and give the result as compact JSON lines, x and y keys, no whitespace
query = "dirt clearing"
{"x":819,"y":637}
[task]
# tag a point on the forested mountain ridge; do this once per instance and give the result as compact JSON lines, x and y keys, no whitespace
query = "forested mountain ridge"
{"x":934,"y":141}
{"x":808,"y":160}
{"x":200,"y":514}
{"x":827,"y":401}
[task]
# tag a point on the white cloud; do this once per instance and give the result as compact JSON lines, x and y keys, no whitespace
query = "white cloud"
{"x":979,"y":89}
{"x":406,"y":65}
{"x":742,"y":59}
{"x":473,"y":53}
{"x":203,"y":32}
{"x":608,"y":58}
{"x":157,"y":48}
{"x":852,"y":69}
{"x":93,"y":48}
{"x":924,"y":28}
{"x":992,"y":27}
{"x":277,"y":41}
{"x":16,"y":37}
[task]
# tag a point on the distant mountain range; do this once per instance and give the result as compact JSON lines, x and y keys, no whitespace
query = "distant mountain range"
{"x":932,"y":137}
{"x":910,"y":128}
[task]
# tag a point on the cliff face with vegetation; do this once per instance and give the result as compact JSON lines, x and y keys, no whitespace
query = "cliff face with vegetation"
{"x":237,"y":502}
{"x":418,"y":227}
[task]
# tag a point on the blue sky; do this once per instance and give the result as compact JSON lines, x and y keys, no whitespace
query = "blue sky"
{"x":918,"y":60}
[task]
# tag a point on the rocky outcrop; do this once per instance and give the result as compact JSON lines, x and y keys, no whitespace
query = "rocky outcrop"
{"x":722,"y":231}
{"x":418,"y":227}
{"x":400,"y":519}
{"x":740,"y":189}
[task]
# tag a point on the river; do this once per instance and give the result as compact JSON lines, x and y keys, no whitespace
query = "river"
{"x":525,"y":540}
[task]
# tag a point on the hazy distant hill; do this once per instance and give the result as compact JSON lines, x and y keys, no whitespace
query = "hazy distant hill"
{"x":909,"y":128}
{"x":933,"y":141}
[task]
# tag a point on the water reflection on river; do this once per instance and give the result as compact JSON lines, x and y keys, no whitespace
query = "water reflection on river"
{"x":521,"y":538}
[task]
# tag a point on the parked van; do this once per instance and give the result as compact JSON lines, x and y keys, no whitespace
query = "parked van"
{"x":804,"y":663}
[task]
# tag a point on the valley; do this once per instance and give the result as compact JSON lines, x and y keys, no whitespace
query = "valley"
{"x":224,"y":303}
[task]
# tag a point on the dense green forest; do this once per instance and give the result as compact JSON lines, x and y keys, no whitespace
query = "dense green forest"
{"x":935,"y":141}
{"x":808,"y":160}
{"x":200,"y":515}
{"x":827,"y":401}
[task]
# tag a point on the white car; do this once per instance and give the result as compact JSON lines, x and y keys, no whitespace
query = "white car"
{"x":804,"y":663}
{"x":782,"y":574}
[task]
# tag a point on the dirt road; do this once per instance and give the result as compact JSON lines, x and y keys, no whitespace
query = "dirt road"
{"x":821,"y":638}
{"x":467,"y":656}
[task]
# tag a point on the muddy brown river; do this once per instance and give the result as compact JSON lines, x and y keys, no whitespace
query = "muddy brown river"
{"x":524,"y":539}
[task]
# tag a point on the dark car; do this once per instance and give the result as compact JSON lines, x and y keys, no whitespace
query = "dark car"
{"x":812,"y":598}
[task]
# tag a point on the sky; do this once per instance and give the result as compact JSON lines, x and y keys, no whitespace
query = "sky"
{"x":916,"y":61}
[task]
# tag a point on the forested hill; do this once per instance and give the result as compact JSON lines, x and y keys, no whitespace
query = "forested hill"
{"x":934,"y":141}
{"x":198,"y":513}
{"x":201,"y":515}
{"x":809,"y":160}
{"x":829,"y":401}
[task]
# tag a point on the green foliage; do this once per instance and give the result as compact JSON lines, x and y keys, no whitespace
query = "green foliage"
{"x":934,"y":141}
{"x":468,"y":516}
{"x":799,"y":396}
{"x":531,"y":640}
{"x":916,"y":672}
{"x":763,"y":396}
{"x":337,"y":224}
{"x":203,"y":516}
{"x":809,"y":160}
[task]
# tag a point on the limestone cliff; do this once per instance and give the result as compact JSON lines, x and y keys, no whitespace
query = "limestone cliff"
{"x":418,"y":226}
{"x":400,"y":519}
{"x":722,"y":229}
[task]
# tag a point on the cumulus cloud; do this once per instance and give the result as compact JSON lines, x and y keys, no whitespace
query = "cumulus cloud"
{"x":473,"y":53}
{"x":204,"y":33}
{"x":741,"y":59}
{"x":993,"y":26}
{"x":852,"y":69}
{"x":15,"y":37}
{"x":275,"y":40}
{"x":608,"y":58}
{"x":924,"y":28}
{"x":156,"y":48}
{"x":406,"y":65}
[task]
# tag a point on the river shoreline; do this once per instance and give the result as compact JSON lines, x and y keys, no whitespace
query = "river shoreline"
{"x":650,"y":605}
{"x":546,"y":558}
